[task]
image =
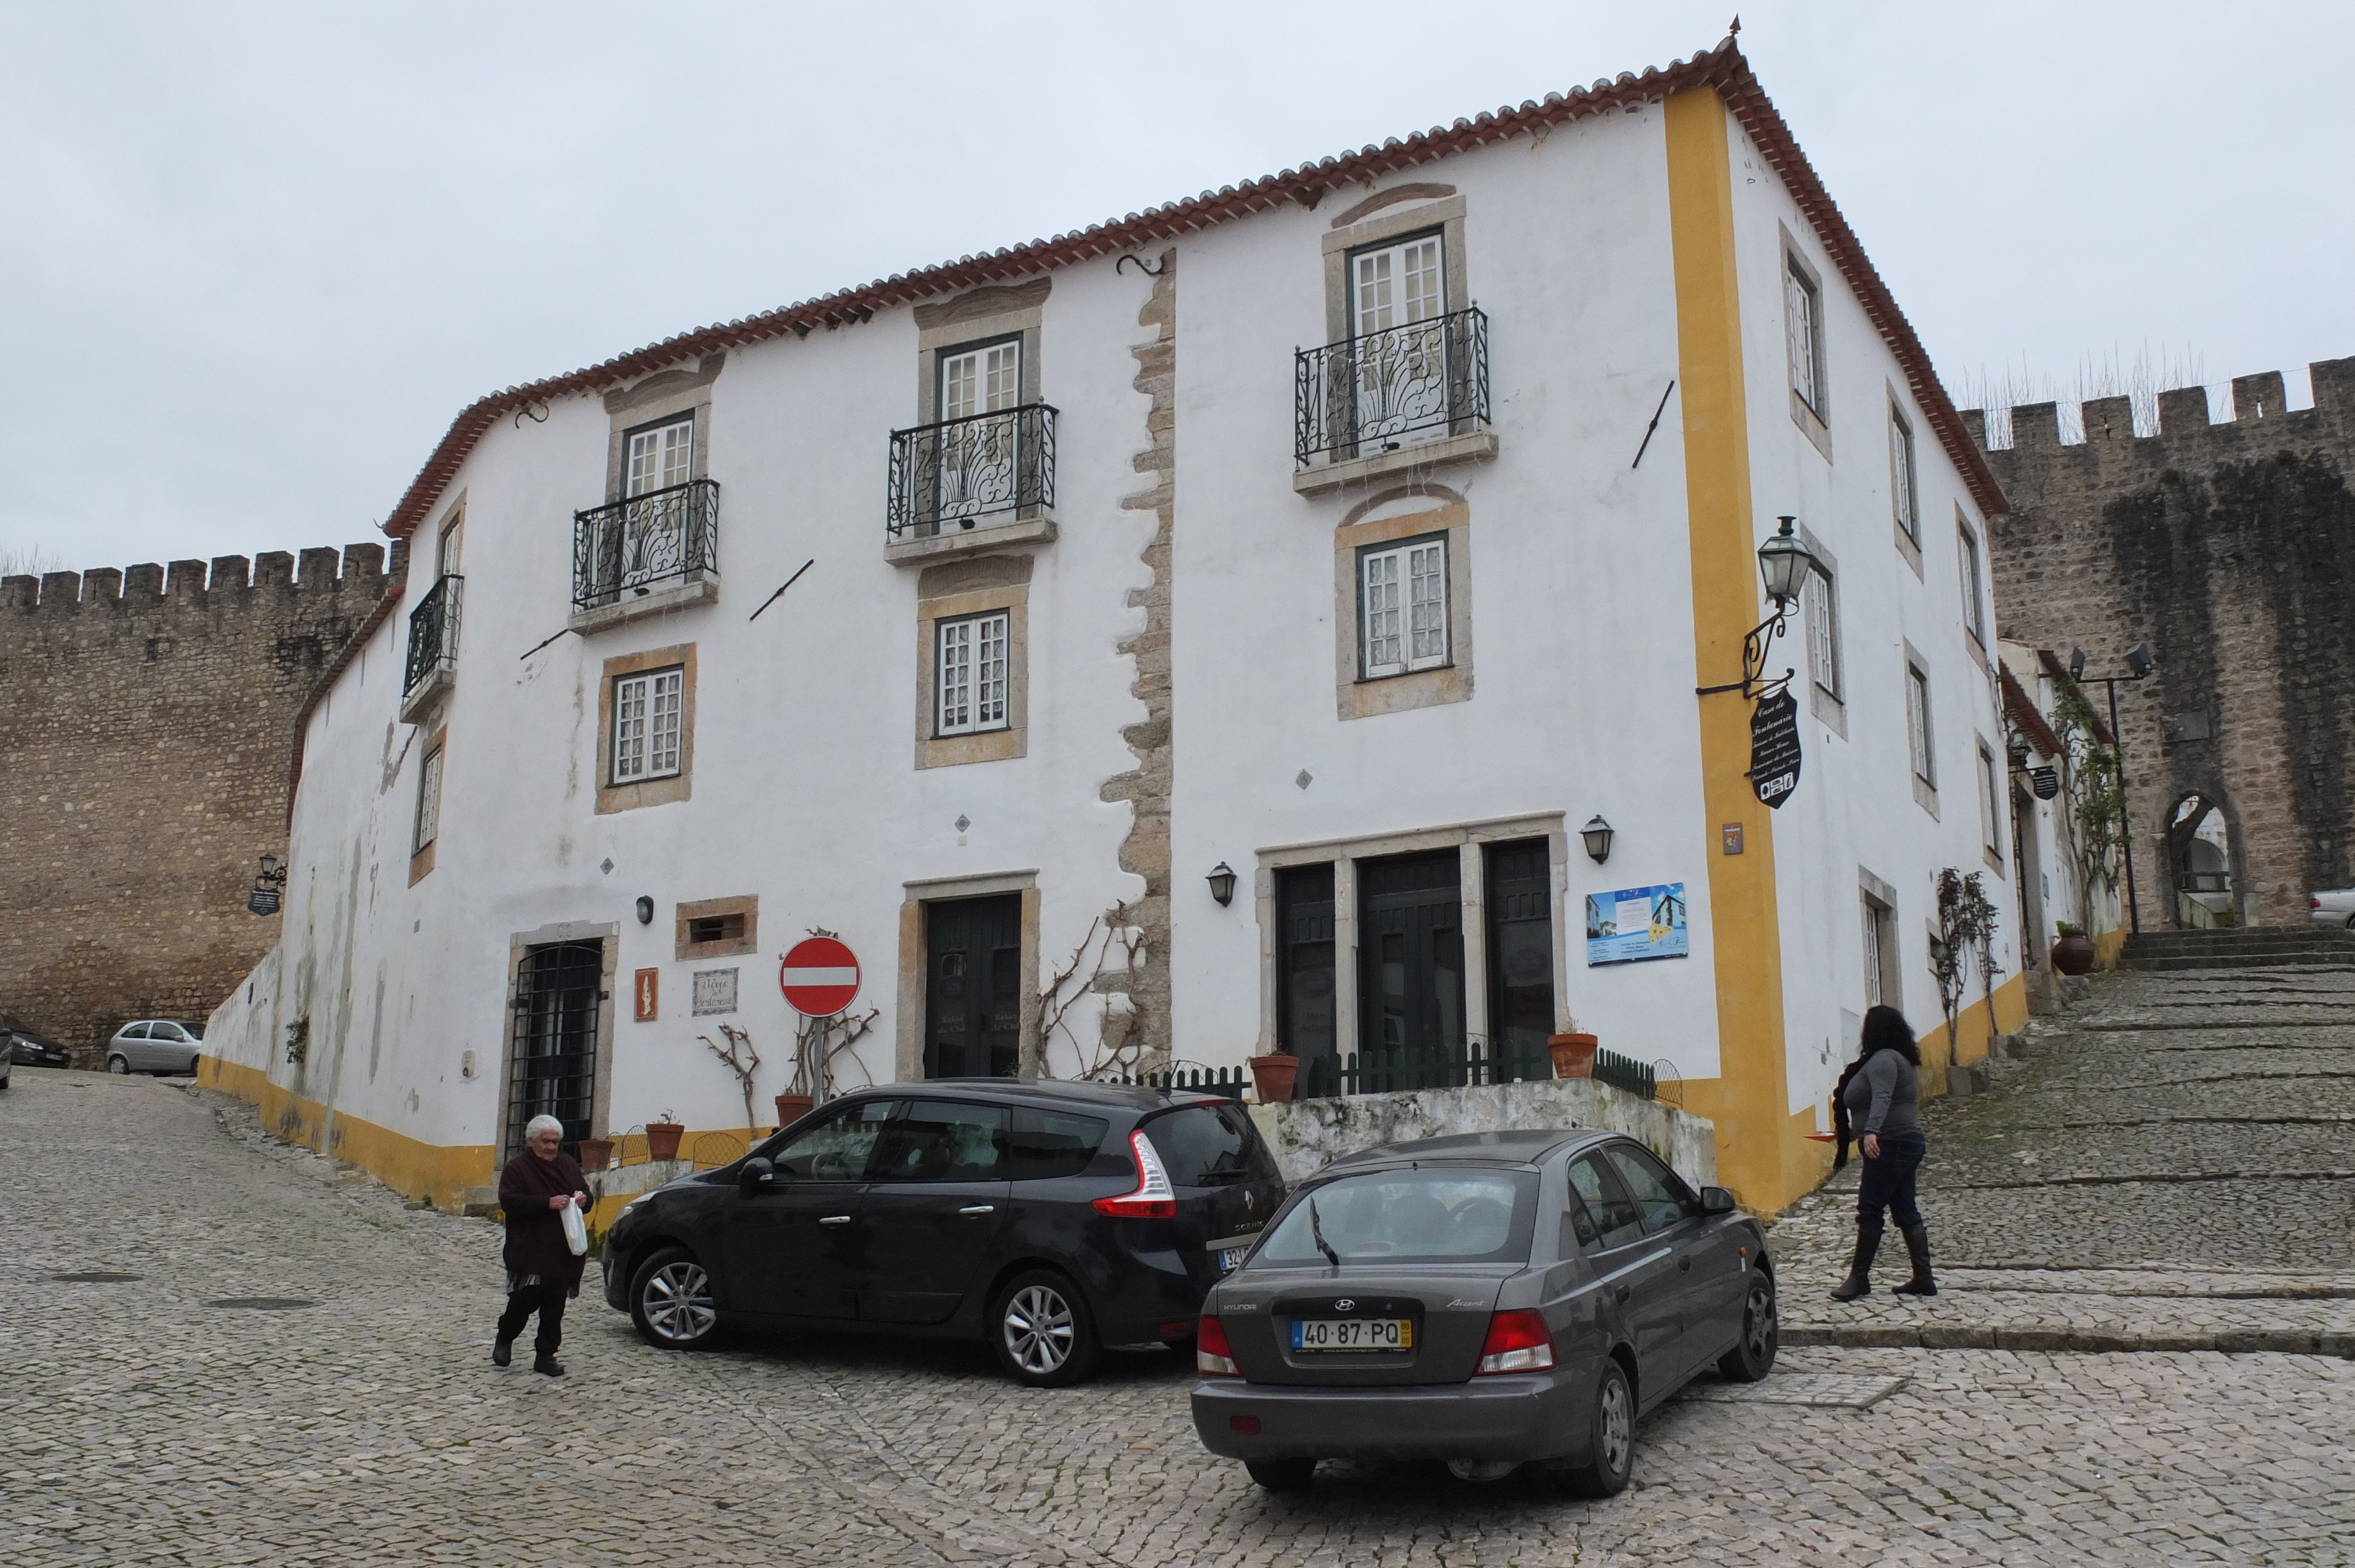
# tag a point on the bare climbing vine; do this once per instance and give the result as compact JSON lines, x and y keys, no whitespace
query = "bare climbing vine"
{"x":1104,"y":964}
{"x":817,"y":1042}
{"x":741,"y":1060}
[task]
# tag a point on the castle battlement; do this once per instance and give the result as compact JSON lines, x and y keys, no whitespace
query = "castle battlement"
{"x":226,"y":580}
{"x":2262,"y":417}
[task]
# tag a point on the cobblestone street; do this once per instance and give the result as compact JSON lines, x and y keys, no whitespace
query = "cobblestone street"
{"x":156,"y":1419}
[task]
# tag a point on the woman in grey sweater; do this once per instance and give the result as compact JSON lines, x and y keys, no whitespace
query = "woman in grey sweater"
{"x":1880,"y":1101}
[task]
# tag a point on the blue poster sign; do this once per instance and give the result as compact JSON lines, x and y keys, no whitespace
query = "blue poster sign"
{"x":1634,"y":924}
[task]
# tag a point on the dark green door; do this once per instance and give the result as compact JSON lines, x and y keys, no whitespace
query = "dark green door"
{"x":1410,"y":961}
{"x":973,"y":986}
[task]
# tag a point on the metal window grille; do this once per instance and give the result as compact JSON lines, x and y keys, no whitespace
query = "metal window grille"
{"x":428,"y":799}
{"x":638,"y":544}
{"x":433,"y":633}
{"x":1391,"y":386}
{"x":552,"y":1062}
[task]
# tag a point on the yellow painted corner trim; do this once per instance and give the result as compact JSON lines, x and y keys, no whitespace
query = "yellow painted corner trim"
{"x":441,"y":1172}
{"x":1744,"y":932}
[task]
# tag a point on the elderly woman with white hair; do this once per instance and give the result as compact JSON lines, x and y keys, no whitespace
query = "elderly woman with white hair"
{"x":534,"y":1189}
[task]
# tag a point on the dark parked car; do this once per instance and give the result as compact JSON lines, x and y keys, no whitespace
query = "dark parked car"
{"x":31,"y":1051}
{"x":1488,"y":1301}
{"x":1050,"y":1218}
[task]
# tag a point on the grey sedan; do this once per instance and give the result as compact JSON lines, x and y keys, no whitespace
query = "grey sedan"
{"x":156,"y":1045}
{"x":2332,"y":906}
{"x":1490,"y":1300}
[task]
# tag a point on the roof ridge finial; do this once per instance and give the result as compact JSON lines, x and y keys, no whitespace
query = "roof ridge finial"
{"x":1733,"y":29}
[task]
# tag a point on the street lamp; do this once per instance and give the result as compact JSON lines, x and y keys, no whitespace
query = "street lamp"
{"x":266,"y":885}
{"x":1783,"y":563}
{"x":1597,"y":834}
{"x":1222,"y":883}
{"x":2139,"y":663}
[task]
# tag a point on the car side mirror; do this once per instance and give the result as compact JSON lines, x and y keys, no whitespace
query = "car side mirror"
{"x":1716,"y":1200}
{"x":754,"y":1173}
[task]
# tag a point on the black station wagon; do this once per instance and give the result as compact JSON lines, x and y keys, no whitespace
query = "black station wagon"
{"x":1487,"y":1299}
{"x":1050,"y":1218}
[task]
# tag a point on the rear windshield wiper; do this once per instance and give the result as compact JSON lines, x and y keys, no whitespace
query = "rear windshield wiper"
{"x":1316,"y":1233}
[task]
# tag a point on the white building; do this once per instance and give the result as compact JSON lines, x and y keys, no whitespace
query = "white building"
{"x":1098,"y":586}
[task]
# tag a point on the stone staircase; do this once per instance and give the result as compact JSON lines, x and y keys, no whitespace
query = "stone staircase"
{"x":2242,"y":948}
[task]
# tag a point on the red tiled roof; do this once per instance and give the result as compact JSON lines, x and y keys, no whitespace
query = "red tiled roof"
{"x":2017,"y":704}
{"x":1723,"y":68}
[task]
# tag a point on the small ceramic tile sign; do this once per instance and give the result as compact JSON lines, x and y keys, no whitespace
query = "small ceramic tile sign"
{"x":1634,"y":924}
{"x":647,"y":994}
{"x":715,"y":991}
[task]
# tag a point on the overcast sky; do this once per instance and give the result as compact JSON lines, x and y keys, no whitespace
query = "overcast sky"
{"x":254,"y":257}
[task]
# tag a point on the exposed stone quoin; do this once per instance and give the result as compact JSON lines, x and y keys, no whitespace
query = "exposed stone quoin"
{"x":2229,"y":550}
{"x":150,"y":718}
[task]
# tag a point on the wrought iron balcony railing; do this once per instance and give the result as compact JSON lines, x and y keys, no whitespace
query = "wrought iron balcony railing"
{"x":952,"y":474}
{"x":645,"y":543}
{"x":1391,"y":388}
{"x":433,"y":633}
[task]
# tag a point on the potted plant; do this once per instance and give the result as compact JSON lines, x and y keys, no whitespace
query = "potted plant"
{"x":791,"y":1109}
{"x":1574,"y":1053}
{"x":596,"y":1153}
{"x":663,"y":1136}
{"x":1273,"y":1076}
{"x":2074,"y":953}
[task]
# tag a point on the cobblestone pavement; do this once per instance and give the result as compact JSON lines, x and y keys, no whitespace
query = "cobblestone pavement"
{"x":2170,"y":1165}
{"x":147,"y":1421}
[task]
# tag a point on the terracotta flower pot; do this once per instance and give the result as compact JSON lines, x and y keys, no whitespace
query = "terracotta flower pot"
{"x":662,"y":1138}
{"x":1272,"y":1077}
{"x":791,"y":1109}
{"x":596,"y":1153}
{"x":1574,"y":1054}
{"x":2074,"y":954}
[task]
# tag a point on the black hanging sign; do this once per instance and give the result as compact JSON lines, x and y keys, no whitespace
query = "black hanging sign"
{"x":1774,"y":748}
{"x":262,"y":901}
{"x":2045,"y":781}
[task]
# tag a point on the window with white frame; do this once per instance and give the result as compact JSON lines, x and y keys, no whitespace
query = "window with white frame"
{"x":1803,"y":311}
{"x":1821,"y":606}
{"x":970,"y":676}
{"x":660,"y":457}
{"x":646,"y":714}
{"x":1974,"y":600}
{"x":1990,"y":802}
{"x":1880,"y":932}
{"x":981,"y":380}
{"x":1917,"y":725}
{"x":428,"y":802}
{"x":1905,"y":499}
{"x":1402,"y":607}
{"x":1401,"y":379}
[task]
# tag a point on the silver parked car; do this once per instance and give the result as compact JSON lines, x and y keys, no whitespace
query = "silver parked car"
{"x":2334,"y":907}
{"x":156,"y":1045}
{"x":1488,"y":1299}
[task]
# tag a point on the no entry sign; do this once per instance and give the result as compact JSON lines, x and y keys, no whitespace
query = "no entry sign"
{"x":820,"y":977}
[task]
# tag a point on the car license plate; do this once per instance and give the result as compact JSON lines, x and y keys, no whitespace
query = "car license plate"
{"x":1352,"y":1334}
{"x":1232,"y":1258}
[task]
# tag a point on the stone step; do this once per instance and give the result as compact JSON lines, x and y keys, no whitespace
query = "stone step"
{"x":2323,"y":962}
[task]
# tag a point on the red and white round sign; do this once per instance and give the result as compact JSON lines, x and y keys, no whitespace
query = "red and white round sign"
{"x":820,"y":977}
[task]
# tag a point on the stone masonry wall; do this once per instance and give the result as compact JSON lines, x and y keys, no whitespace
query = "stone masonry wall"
{"x":149,"y":727}
{"x":2229,"y":550}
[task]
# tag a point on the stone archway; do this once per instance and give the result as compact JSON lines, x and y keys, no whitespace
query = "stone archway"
{"x":2201,"y":838}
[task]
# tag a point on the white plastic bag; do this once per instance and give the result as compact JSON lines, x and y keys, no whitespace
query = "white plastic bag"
{"x":576,"y":1230}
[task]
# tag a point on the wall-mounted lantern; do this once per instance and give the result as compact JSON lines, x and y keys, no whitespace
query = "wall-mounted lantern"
{"x":646,"y":910}
{"x":268,"y":885}
{"x":1597,"y":834}
{"x":1784,"y":564}
{"x":1222,"y":883}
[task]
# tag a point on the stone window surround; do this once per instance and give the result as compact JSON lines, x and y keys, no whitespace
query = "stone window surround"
{"x":1815,"y":423}
{"x":658,"y":400}
{"x":951,"y":590}
{"x":607,"y":935}
{"x":988,"y":315}
{"x":1992,"y":773}
{"x":1975,"y":595}
{"x":747,"y":905}
{"x":1902,"y":419}
{"x":1369,"y":524}
{"x":679,"y":785}
{"x":908,"y":1045}
{"x":421,"y":857}
{"x":1882,"y":896}
{"x":1470,"y":839}
{"x":1830,"y":708}
{"x":1925,"y":790}
{"x":453,"y":526}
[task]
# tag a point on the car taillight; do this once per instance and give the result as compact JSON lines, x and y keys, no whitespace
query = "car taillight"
{"x":1152,"y":1198}
{"x":1518,"y":1341}
{"x":1213,"y":1357}
{"x":2314,"y":904}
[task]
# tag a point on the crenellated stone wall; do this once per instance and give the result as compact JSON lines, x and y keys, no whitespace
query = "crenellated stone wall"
{"x":149,"y":718}
{"x":2229,"y":550}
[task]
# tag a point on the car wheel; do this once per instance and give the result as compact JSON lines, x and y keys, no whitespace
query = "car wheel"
{"x":1611,"y":1436}
{"x":119,"y":1065}
{"x":670,"y":1301}
{"x":1752,"y":1356}
{"x":1281,"y":1475}
{"x":1044,"y":1335}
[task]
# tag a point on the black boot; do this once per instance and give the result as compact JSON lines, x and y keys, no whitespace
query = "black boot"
{"x":502,"y":1350}
{"x":1917,"y":1247}
{"x":546,"y":1364}
{"x":1859,"y":1269}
